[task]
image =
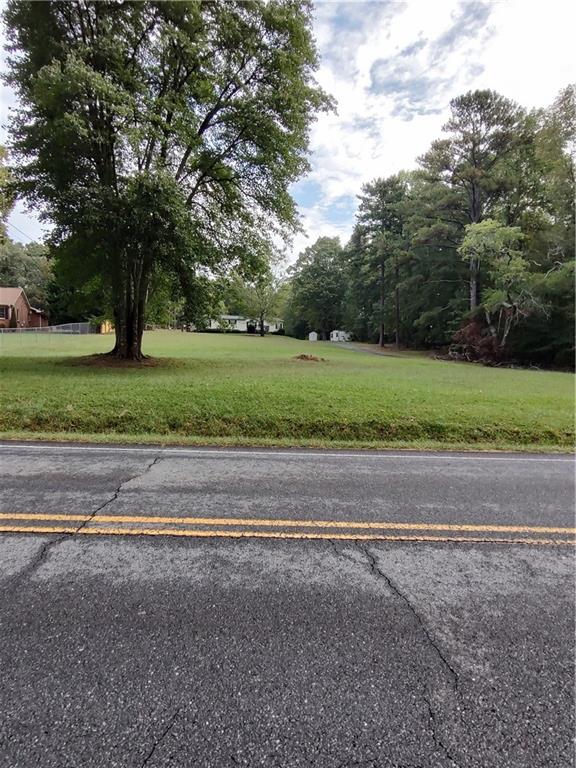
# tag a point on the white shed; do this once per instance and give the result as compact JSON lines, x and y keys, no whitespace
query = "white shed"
{"x":339,"y":336}
{"x":312,"y":336}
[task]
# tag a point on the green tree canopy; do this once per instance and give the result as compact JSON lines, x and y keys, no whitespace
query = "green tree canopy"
{"x":467,"y":168}
{"x":258,"y":299}
{"x":27,"y":267}
{"x":374,"y":255}
{"x":478,"y":242}
{"x":317,"y":288}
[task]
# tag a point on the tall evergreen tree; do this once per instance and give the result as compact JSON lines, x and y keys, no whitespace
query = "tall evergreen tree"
{"x":380,"y":220}
{"x":467,"y":166}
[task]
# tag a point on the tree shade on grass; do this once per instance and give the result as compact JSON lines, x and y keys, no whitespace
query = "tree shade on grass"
{"x":233,"y":389}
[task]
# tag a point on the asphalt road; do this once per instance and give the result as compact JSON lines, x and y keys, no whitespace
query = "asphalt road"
{"x":254,"y":608}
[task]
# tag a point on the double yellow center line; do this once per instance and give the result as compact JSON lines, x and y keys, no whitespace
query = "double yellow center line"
{"x":263,"y":528}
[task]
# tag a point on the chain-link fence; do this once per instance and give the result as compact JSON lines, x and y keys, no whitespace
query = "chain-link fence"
{"x":64,"y":328}
{"x":68,"y":338}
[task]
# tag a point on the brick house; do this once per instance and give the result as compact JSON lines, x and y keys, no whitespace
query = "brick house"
{"x":16,"y":312}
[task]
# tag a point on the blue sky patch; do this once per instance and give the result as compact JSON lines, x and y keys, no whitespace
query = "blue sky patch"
{"x":307,"y":193}
{"x":341,"y":210}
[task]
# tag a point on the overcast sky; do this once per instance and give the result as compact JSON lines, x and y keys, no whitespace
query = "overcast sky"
{"x":392,"y":68}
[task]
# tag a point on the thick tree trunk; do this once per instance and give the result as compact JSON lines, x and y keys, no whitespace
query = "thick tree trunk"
{"x":381,"y":339}
{"x":129,"y":314}
{"x":116,"y":332}
{"x":262,"y":331}
{"x":128,"y":334}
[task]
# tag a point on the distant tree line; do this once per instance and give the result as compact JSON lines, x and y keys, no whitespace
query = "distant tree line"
{"x":474,"y":249}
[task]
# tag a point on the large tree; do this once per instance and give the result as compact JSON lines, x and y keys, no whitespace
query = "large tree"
{"x":467,"y":168}
{"x":258,"y":299}
{"x":376,"y":262}
{"x":511,"y":298}
{"x":317,"y":288}
{"x":161,"y":137}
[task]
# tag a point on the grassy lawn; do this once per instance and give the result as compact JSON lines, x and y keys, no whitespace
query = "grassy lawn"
{"x":232,"y":389}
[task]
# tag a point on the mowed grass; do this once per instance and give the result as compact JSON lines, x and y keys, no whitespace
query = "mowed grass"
{"x":233,"y":389}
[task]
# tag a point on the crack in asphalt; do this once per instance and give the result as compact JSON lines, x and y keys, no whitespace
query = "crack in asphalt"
{"x":373,"y":564}
{"x":341,"y":552}
{"x":452,"y":674}
{"x":42,"y":554}
{"x":160,"y":739}
{"x":434,"y":730}
{"x":116,"y":493}
{"x":37,"y":560}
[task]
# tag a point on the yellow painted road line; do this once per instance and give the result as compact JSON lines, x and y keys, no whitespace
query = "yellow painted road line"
{"x":38,"y":529}
{"x":42,"y":516}
{"x":265,"y":522}
{"x":186,"y":532}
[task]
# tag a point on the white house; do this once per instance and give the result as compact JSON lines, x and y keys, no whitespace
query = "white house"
{"x":240,"y":323}
{"x":340,"y":336}
{"x":312,"y":336}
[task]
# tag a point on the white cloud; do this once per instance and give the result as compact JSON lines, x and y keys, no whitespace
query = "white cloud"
{"x":393,"y":67}
{"x":520,"y":48}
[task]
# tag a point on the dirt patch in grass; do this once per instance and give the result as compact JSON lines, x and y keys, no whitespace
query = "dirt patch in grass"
{"x":108,"y":361}
{"x":311,"y":358}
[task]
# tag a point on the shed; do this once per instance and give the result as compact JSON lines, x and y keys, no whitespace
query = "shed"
{"x":312,"y":336}
{"x":339,"y":336}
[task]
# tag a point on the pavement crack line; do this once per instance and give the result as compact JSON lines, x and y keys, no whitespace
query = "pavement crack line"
{"x":37,"y":560}
{"x":452,"y":674}
{"x":434,"y":730}
{"x":42,"y":554}
{"x":115,"y":494}
{"x":340,"y":551}
{"x":374,"y":568}
{"x":168,"y":727}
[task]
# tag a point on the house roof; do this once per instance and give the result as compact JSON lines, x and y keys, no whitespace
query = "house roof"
{"x":11,"y":295}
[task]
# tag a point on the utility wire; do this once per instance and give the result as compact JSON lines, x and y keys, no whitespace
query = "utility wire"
{"x":13,"y":226}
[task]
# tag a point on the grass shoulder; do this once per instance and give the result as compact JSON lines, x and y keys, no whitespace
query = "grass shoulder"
{"x":237,"y":390}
